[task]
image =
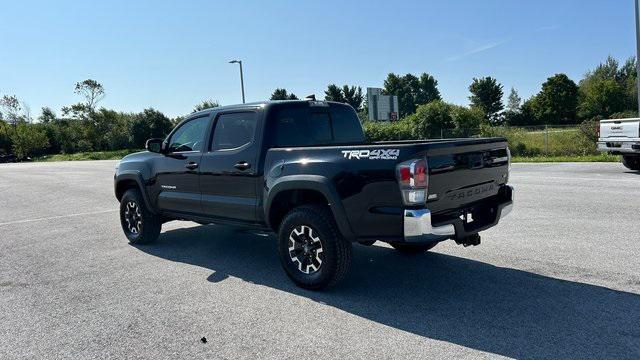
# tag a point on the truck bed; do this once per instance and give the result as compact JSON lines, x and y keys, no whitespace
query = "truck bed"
{"x":461,"y":173}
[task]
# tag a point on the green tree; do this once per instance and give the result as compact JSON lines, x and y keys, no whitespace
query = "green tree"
{"x":429,"y":120}
{"x":205,"y":104}
{"x":148,"y":124}
{"x":514,"y":109}
{"x":334,"y":93}
{"x":486,"y":94}
{"x":467,"y":121}
{"x":69,"y":136}
{"x":627,"y":76}
{"x":394,"y":85}
{"x":557,"y":101}
{"x":412,"y":91}
{"x":5,"y":138}
{"x":93,"y":92}
{"x":439,"y":118}
{"x":608,"y":89}
{"x":353,"y":96}
{"x":515,"y":101}
{"x":12,"y":109}
{"x":282,"y":94}
{"x":47,"y":115}
{"x":526,"y":116}
{"x":427,"y":90}
{"x":28,"y":140}
{"x":109,"y":130}
{"x":601,"y":98}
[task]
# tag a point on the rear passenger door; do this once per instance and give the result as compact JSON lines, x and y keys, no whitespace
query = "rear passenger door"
{"x":228,"y":171}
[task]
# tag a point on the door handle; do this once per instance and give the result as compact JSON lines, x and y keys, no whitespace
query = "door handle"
{"x":242,"y":165}
{"x":191,"y":166}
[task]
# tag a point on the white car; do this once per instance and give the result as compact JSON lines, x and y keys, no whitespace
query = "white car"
{"x":621,"y":137}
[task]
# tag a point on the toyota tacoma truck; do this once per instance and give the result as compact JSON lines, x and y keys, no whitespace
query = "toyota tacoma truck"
{"x":621,"y":137}
{"x":304,"y":171}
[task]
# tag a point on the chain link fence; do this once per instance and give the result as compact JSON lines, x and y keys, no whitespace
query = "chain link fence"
{"x":548,"y":140}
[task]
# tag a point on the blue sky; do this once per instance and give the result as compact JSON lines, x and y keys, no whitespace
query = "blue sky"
{"x":170,"y":55}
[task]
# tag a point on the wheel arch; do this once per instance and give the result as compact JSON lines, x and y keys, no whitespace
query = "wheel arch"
{"x":131,"y":180}
{"x":295,"y":190}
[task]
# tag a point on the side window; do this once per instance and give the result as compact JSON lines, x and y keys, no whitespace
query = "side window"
{"x":346,"y":125}
{"x":189,"y":136}
{"x":320,"y":128}
{"x":298,"y":126}
{"x":234,"y":130}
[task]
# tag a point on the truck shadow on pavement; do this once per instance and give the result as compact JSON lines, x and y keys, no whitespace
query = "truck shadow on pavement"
{"x":503,"y":311}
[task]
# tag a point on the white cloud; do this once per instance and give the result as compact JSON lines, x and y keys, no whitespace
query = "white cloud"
{"x":477,"y":49}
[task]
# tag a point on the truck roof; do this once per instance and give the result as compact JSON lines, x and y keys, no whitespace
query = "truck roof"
{"x":255,"y":104}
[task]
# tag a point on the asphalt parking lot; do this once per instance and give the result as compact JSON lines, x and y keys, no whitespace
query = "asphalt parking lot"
{"x":558,"y":278}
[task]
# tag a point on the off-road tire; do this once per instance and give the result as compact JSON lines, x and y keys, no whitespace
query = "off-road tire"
{"x":148,"y":230}
{"x":631,"y":162}
{"x":315,"y":224}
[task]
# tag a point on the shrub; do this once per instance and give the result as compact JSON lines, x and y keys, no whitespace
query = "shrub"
{"x":5,"y":138}
{"x":466,"y":120}
{"x":589,"y":128}
{"x":433,"y":120}
{"x":29,"y":140}
{"x":148,"y":124}
{"x":387,"y":131}
{"x":429,"y":120}
{"x":559,"y":141}
{"x":109,"y":130}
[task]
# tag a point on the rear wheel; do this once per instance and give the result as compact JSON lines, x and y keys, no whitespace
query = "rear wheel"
{"x":138,"y":223}
{"x":631,"y":162}
{"x":312,"y":251}
{"x":413,"y":248}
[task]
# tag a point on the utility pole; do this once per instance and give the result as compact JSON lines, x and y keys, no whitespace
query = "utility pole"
{"x":241,"y":76}
{"x":638,"y":49}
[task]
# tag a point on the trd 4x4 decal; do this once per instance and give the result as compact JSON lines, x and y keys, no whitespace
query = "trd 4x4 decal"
{"x":377,"y":154}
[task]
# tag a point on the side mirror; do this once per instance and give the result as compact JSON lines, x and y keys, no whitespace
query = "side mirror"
{"x":155,"y":145}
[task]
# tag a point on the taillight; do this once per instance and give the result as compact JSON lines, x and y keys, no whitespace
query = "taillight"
{"x":598,"y":128}
{"x":413,"y":178}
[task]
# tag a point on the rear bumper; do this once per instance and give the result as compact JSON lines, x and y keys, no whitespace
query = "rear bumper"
{"x":419,"y":225}
{"x":619,"y":147}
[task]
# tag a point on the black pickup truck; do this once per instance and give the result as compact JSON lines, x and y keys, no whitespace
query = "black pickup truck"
{"x":303,"y":170}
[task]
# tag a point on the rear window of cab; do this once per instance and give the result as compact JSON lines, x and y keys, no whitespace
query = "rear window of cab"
{"x":301,"y":124}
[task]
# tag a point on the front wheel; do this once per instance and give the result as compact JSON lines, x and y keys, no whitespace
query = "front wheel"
{"x":631,"y":162}
{"x":312,"y":251}
{"x":413,"y":248}
{"x":138,"y":223}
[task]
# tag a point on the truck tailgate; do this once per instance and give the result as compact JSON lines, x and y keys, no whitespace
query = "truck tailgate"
{"x":620,"y":129}
{"x":461,"y":175}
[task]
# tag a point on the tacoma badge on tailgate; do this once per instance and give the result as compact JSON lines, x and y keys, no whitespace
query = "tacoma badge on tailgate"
{"x":470,"y":192}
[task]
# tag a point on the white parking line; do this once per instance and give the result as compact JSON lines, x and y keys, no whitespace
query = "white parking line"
{"x":543,"y":177}
{"x":56,"y":217}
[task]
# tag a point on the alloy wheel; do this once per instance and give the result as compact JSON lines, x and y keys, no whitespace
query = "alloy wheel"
{"x":133,"y":217}
{"x":305,"y":249}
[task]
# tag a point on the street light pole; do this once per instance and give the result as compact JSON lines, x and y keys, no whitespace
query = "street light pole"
{"x":241,"y":76}
{"x":638,"y":49}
